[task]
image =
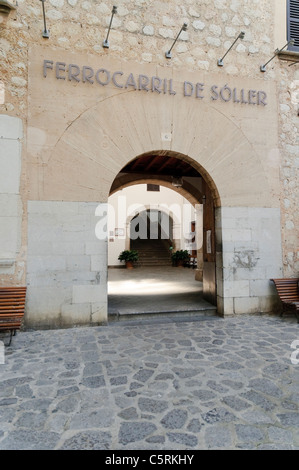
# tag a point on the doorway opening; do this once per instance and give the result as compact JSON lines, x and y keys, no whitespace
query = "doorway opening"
{"x":158,"y":229}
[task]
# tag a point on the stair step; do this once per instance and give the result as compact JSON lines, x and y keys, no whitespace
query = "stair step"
{"x":142,"y":257}
{"x":182,"y":315}
{"x":155,"y":263}
{"x":152,"y":252}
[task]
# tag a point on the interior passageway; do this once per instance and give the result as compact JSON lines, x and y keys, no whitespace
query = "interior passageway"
{"x":155,"y":290}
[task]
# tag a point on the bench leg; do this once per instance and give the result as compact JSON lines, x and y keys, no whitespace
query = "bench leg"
{"x":12,"y":333}
{"x":10,"y":338}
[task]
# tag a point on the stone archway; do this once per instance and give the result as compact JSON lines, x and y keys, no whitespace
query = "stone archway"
{"x":158,"y":167}
{"x":100,"y":148}
{"x":150,"y":224}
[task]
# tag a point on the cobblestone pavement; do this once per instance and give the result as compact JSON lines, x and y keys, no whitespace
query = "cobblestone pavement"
{"x":209,"y":383}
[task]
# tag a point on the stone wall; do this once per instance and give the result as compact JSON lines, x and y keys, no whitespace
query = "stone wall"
{"x":66,"y":265}
{"x":250,"y":256}
{"x":142,"y":31}
{"x":288,"y":95}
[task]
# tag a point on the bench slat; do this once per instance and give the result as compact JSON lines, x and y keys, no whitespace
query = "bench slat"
{"x":13,"y":297}
{"x":10,"y":299}
{"x":288,"y":292}
{"x":13,"y":288}
{"x":12,"y":307}
{"x":11,"y":313}
{"x":8,"y":317}
{"x":10,"y":321}
{"x":16,"y":304}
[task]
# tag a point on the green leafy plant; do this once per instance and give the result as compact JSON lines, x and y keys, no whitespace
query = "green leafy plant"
{"x":180,"y":255}
{"x":129,"y":255}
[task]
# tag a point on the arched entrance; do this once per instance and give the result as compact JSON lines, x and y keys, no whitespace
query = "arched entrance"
{"x":179,"y":173}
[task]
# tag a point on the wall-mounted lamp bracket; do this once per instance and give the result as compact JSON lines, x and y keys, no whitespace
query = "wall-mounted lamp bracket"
{"x":106,"y":42}
{"x":168,"y":53}
{"x":241,"y":36}
{"x":46,"y":32}
{"x":291,"y":42}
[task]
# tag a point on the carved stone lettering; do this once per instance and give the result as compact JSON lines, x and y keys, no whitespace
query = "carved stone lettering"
{"x":86,"y":74}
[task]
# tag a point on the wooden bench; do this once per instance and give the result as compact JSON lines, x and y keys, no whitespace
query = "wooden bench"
{"x":12,"y":306}
{"x":288,"y":291}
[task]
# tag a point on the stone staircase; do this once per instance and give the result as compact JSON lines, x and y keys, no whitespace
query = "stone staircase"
{"x":152,"y":252}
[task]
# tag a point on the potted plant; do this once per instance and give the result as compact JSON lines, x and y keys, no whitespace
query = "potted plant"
{"x":130,"y":257}
{"x":180,"y":257}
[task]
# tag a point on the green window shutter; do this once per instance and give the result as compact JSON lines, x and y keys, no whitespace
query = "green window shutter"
{"x":293,"y":23}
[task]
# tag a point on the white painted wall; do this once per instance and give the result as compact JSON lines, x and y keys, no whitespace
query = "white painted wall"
{"x":280,"y":25}
{"x":127,"y":202}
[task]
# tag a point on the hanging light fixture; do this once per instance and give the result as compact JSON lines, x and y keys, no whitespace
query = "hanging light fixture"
{"x":177,"y":181}
{"x":168,"y":53}
{"x":291,"y":43}
{"x":106,"y":42}
{"x":46,"y":32}
{"x":241,"y":36}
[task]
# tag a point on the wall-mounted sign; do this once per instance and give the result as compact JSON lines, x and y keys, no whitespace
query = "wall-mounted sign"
{"x":154,"y":84}
{"x":209,"y":242}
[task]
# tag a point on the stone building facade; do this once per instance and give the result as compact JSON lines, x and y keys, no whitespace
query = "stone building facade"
{"x":73,"y":114}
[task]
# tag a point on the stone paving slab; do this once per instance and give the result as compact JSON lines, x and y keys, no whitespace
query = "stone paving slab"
{"x":172,"y":384}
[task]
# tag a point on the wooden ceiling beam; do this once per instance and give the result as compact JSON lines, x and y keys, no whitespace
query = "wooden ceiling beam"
{"x":152,"y":162}
{"x":160,"y":164}
{"x":166,"y":163}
